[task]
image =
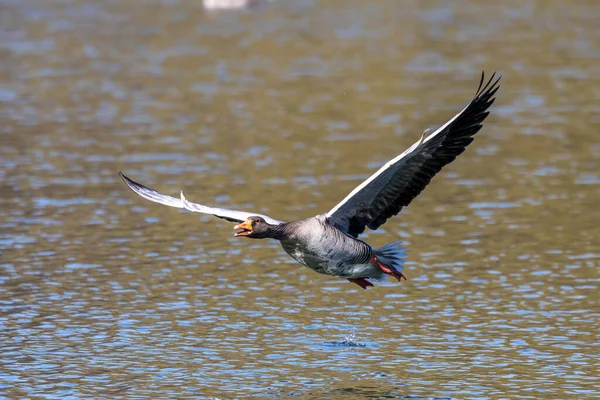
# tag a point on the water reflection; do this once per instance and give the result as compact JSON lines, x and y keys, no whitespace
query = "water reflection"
{"x":231,"y":4}
{"x":284,"y":109}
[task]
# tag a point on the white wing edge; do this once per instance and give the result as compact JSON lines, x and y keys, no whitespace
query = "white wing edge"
{"x":224,"y":212}
{"x":160,"y":198}
{"x":395,"y":160}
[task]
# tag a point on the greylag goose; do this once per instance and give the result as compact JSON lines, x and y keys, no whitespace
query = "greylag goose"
{"x":328,"y":243}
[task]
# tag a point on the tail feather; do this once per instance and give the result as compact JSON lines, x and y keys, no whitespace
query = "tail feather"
{"x":392,"y":255}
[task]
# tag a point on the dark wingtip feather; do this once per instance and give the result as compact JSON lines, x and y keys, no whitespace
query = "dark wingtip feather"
{"x":133,"y":185}
{"x":125,"y":178}
{"x":480,"y":83}
{"x":435,"y":154}
{"x":490,"y":87}
{"x":128,"y":181}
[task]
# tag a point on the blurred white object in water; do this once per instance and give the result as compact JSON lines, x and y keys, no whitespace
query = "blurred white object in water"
{"x":231,"y":4}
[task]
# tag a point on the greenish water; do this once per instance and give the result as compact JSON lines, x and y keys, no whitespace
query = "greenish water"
{"x":283,"y":109}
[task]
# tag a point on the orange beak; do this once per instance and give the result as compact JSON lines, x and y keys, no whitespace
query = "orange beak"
{"x":246,"y":228}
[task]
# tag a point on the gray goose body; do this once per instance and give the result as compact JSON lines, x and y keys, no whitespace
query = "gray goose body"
{"x":313,"y":242}
{"x":328,"y":243}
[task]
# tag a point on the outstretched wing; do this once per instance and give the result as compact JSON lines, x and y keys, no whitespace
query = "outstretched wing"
{"x":399,"y":181}
{"x":223,"y":213}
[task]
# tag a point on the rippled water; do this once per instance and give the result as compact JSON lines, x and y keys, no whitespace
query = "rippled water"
{"x":283,"y":108}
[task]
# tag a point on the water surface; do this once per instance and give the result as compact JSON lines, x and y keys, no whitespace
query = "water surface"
{"x":284,"y":108}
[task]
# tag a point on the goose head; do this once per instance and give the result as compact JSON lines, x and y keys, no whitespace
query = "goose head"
{"x":254,"y":227}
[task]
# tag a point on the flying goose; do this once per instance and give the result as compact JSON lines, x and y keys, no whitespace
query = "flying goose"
{"x":328,"y":243}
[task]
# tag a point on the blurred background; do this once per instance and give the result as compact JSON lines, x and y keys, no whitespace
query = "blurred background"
{"x":283,"y":107}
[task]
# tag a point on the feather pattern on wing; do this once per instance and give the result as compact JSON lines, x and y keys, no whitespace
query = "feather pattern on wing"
{"x":400,"y":180}
{"x":223,"y":213}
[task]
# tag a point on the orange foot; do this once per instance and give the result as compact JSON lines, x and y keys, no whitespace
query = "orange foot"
{"x":362,"y":282}
{"x":390,"y":271}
